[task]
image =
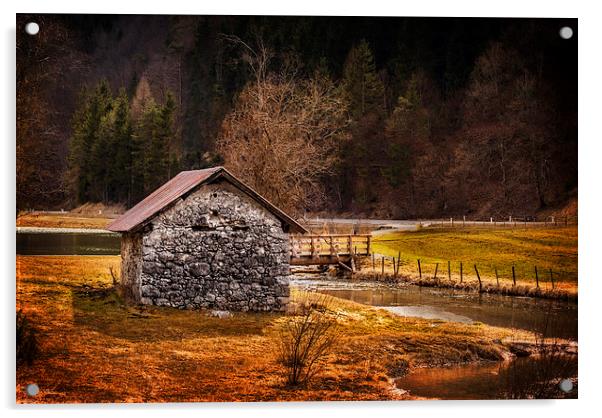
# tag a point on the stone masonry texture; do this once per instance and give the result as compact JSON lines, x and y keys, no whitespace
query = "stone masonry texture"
{"x":217,"y":248}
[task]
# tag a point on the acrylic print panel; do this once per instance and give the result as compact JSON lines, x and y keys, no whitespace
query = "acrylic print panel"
{"x":254,"y":208}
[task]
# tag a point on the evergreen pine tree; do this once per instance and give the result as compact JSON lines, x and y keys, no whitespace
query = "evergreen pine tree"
{"x":85,"y":158}
{"x":153,"y":157}
{"x":362,"y":86}
{"x":121,"y":149}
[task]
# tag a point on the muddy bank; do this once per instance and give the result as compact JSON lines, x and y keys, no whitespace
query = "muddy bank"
{"x":505,"y":290}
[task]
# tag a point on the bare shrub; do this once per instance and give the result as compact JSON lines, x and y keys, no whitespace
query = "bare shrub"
{"x":306,"y":339}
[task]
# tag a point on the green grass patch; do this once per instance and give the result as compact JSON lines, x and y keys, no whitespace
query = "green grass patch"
{"x":546,"y":248}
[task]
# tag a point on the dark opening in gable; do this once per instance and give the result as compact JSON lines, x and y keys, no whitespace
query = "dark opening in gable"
{"x":201,"y":228}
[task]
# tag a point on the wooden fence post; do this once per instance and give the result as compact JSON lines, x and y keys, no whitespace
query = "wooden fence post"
{"x":497,"y":277}
{"x":293,"y":247}
{"x":513,"y":276}
{"x":436,"y":270}
{"x":464,"y":220}
{"x":461,"y":278}
{"x":383,"y":265}
{"x":552,"y":279}
{"x":368,"y":244}
{"x":373,"y":263}
{"x":536,"y":278}
{"x":478,"y":277}
{"x":449,"y":270}
{"x":419,"y":270}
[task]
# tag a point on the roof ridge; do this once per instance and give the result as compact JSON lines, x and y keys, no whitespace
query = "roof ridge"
{"x":179,"y":185}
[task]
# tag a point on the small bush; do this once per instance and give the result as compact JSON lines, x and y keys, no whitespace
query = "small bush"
{"x":27,"y":341}
{"x":306,"y":339}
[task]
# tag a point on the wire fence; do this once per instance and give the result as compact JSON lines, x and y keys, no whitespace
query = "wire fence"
{"x":524,"y":221}
{"x":516,"y":274}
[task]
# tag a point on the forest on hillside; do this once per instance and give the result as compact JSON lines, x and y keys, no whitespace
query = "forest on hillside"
{"x":386,"y":117}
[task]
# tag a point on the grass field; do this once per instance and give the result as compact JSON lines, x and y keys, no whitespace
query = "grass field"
{"x":58,"y":220}
{"x":525,"y":248}
{"x":95,"y":348}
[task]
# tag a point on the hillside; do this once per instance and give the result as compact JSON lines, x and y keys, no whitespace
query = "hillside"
{"x":419,"y":117}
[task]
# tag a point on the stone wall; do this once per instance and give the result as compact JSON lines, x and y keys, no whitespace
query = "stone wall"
{"x":131,"y":265}
{"x":217,"y":248}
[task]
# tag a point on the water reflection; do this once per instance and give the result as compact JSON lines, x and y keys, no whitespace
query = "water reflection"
{"x":554,"y":318}
{"x":558,"y":319}
{"x":68,"y":244}
{"x":520,"y":378}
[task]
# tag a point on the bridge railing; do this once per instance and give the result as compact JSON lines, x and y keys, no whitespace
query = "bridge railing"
{"x":314,"y":246}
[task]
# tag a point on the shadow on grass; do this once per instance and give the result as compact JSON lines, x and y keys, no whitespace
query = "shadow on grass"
{"x":104,"y":311}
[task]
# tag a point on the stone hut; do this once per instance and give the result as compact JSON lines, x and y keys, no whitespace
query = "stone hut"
{"x":206,"y":240}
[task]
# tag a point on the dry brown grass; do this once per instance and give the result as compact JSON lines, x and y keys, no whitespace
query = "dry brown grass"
{"x":60,"y":220}
{"x":97,"y":349}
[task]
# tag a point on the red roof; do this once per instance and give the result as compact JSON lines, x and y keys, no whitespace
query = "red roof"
{"x":184,"y":182}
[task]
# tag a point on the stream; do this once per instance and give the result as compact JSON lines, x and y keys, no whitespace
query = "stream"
{"x":521,"y":377}
{"x":552,"y":318}
{"x":482,"y":381}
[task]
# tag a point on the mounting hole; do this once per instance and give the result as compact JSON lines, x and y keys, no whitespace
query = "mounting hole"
{"x":32,"y":28}
{"x":32,"y":389}
{"x":566,"y":32}
{"x":566,"y":385}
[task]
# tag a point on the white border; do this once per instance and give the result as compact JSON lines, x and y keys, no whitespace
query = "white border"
{"x":590,"y":97}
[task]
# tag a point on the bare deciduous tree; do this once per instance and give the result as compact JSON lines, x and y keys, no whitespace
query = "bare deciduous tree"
{"x":284,"y":133}
{"x":45,"y":64}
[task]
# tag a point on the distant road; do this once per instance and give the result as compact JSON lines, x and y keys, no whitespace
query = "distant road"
{"x":387,"y":225}
{"x":412,"y":224}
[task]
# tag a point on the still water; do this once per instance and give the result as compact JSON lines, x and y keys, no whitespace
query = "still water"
{"x":552,"y":318}
{"x":519,"y":379}
{"x":68,"y":244}
{"x":555,"y":319}
{"x":483,"y":381}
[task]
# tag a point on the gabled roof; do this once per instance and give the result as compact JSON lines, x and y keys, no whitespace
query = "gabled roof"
{"x":181,"y":184}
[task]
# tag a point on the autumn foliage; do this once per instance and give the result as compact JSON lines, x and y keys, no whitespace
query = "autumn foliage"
{"x":396,"y":117}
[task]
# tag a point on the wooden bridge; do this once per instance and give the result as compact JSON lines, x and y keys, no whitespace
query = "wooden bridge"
{"x":336,"y":249}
